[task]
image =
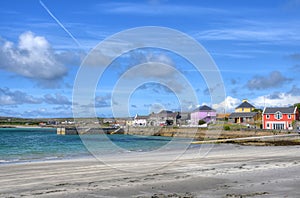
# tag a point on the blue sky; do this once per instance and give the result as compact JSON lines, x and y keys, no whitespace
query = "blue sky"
{"x":255,"y":44}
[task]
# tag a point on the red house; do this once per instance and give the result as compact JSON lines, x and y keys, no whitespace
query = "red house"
{"x":279,"y":118}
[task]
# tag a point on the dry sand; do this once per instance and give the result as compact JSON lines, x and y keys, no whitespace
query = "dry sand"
{"x":226,"y":171}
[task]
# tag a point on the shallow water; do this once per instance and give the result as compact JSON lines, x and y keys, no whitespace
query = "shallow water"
{"x":36,"y":144}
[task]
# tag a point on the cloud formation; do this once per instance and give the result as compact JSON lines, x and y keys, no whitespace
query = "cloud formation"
{"x":145,"y":66}
{"x":46,"y":112}
{"x":155,"y":8}
{"x":229,"y":104}
{"x":282,"y":100}
{"x":155,"y":87}
{"x":153,"y":70}
{"x":31,"y":57}
{"x":275,"y":99}
{"x":103,"y":101}
{"x":295,"y":68}
{"x":10,"y":97}
{"x":295,"y":56}
{"x":56,"y":99}
{"x":72,"y":58}
{"x":275,"y":95}
{"x":274,"y":79}
{"x":295,"y":91}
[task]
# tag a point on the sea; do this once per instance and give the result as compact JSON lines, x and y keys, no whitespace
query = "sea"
{"x":20,"y":145}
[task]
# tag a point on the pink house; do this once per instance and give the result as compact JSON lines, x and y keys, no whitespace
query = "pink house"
{"x":204,"y":113}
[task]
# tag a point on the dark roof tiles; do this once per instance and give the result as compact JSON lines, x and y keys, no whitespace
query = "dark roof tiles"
{"x":204,"y":108}
{"x":138,"y":117}
{"x":271,"y":110}
{"x":242,"y":114}
{"x":165,"y":112}
{"x":245,"y":105}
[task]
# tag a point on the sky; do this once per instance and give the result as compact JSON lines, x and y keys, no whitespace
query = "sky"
{"x":43,"y":44}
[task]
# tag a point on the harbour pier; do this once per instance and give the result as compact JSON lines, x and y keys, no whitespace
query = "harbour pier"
{"x":88,"y":130}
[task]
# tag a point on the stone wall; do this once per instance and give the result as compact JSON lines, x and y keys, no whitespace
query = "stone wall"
{"x":166,"y":131}
{"x":197,"y":133}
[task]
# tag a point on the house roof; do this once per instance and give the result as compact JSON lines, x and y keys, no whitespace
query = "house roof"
{"x":245,"y":104}
{"x":204,"y":108}
{"x":223,"y":115}
{"x":165,"y":112}
{"x":243,"y":114}
{"x":272,"y":110}
{"x":138,"y":117}
{"x":208,"y":117}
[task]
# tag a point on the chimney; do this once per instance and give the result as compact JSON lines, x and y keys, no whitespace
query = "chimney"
{"x":244,"y":100}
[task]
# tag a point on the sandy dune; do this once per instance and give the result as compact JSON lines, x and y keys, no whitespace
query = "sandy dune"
{"x":226,"y":171}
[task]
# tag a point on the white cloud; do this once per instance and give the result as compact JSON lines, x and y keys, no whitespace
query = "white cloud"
{"x":274,"y":79}
{"x":155,"y":9}
{"x":97,"y":58}
{"x":260,"y":31}
{"x":229,"y":104}
{"x":9,"y":97}
{"x":56,"y":99}
{"x":16,"y":97}
{"x":239,"y":34}
{"x":283,"y":100}
{"x":32,"y":57}
{"x":252,"y":32}
{"x":46,"y":113}
{"x":73,"y":58}
{"x":153,"y":69}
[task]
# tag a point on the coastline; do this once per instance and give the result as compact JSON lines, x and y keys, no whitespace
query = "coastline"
{"x":226,"y":171}
{"x":23,"y":126}
{"x":46,"y":160}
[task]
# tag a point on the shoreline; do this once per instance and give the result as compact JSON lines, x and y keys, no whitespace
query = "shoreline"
{"x":226,"y":171}
{"x":23,"y":126}
{"x":46,"y":160}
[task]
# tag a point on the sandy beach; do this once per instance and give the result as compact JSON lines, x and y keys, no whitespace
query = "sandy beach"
{"x":226,"y":171}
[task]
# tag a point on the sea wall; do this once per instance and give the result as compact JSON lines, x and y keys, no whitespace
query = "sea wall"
{"x":146,"y":131}
{"x":94,"y":130}
{"x":183,"y":132}
{"x":198,"y":133}
{"x":66,"y":131}
{"x":190,"y":132}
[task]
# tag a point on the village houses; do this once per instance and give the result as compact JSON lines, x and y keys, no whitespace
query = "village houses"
{"x":273,"y":118}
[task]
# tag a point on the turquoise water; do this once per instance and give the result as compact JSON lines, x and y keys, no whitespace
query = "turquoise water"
{"x":30,"y":144}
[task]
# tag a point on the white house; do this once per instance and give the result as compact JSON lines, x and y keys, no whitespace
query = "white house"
{"x":140,"y":120}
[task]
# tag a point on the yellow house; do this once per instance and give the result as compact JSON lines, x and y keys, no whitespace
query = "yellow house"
{"x":244,"y":107}
{"x":243,"y":114}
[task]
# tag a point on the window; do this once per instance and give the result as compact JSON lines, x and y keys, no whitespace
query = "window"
{"x":289,"y":116}
{"x":278,"y":126}
{"x":242,"y":109}
{"x":278,"y":115}
{"x":268,"y":116}
{"x":268,"y":125}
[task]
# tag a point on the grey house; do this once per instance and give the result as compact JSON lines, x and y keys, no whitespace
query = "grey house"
{"x":164,"y":117}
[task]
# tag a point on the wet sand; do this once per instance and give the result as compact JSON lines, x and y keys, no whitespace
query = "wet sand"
{"x":226,"y":171}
